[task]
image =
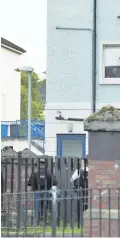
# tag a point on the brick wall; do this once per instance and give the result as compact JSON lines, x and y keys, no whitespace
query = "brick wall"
{"x":103,"y":174}
{"x":13,"y":199}
{"x":103,"y":179}
{"x":15,"y":177}
{"x":103,"y":228}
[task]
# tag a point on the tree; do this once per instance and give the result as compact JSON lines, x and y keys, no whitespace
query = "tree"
{"x":37,"y":102}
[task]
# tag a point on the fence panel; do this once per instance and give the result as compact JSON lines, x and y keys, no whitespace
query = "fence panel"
{"x":17,"y":171}
{"x":62,"y":168}
{"x":95,"y":222}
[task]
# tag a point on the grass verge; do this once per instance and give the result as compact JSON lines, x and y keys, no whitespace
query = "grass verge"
{"x":38,"y":230}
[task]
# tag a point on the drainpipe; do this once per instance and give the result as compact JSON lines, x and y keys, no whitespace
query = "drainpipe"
{"x":94,"y":56}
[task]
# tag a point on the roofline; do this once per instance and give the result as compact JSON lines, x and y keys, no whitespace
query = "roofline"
{"x":11,"y":46}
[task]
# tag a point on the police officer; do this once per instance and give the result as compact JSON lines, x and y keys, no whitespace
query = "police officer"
{"x":2,"y":190}
{"x":80,"y":180}
{"x":42,"y":181}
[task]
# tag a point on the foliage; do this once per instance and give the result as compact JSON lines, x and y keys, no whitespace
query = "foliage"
{"x":37,"y":103}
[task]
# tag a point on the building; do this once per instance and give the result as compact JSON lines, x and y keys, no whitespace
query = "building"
{"x":13,"y":131}
{"x":83,"y":69}
{"x":10,"y":83}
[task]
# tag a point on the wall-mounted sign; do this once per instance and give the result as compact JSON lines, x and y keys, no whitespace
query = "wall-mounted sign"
{"x":70,"y":127}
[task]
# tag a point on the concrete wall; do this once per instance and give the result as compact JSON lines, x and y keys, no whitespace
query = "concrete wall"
{"x":10,"y":85}
{"x":104,"y":146}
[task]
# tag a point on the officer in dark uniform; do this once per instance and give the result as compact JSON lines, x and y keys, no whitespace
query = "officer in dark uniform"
{"x":2,"y":184}
{"x":42,"y":181}
{"x":2,"y":190}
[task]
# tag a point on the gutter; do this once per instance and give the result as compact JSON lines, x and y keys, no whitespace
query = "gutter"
{"x":11,"y":49}
{"x":94,"y":56}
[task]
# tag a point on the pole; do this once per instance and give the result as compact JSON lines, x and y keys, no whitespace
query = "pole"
{"x":19,"y":192}
{"x":29,"y":108}
{"x":118,"y":212}
{"x":54,"y":210}
{"x":94,"y":56}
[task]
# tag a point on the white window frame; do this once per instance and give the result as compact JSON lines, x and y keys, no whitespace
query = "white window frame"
{"x":101,"y":68}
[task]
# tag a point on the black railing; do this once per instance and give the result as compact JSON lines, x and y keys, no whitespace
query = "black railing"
{"x":45,"y":213}
{"x":17,"y":170}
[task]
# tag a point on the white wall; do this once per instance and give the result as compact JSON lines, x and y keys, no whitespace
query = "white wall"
{"x":19,"y":145}
{"x":53,"y":126}
{"x":69,"y":52}
{"x":69,"y":67}
{"x":10,"y":85}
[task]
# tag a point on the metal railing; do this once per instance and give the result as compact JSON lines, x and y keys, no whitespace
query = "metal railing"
{"x":44,"y":214}
{"x":17,"y":170}
{"x":19,"y":121}
{"x":82,"y":212}
{"x":19,"y":129}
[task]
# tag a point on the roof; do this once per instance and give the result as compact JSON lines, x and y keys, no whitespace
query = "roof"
{"x":8,"y":152}
{"x":26,"y":153}
{"x":8,"y":44}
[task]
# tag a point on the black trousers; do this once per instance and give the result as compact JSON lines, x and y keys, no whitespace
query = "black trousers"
{"x":84,"y":201}
{"x":44,"y":205}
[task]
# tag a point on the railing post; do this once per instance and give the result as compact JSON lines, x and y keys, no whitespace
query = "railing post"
{"x":54,"y":210}
{"x":16,"y":129}
{"x":118,"y":212}
{"x":19,"y":191}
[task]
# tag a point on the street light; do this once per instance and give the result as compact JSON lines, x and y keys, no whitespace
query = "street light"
{"x":29,"y":70}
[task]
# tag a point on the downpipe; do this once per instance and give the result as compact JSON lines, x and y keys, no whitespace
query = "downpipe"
{"x":94,"y":35}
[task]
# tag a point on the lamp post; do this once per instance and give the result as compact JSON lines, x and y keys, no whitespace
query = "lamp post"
{"x":29,"y":71}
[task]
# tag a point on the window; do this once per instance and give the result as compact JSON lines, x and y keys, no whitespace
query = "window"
{"x":110,"y":64}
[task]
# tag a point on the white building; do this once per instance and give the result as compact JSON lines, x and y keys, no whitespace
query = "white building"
{"x":81,"y":69}
{"x":10,"y":101}
{"x":10,"y":80}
